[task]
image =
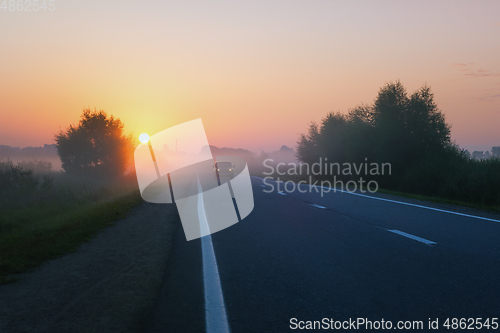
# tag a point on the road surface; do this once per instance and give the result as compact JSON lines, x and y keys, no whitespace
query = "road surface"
{"x":341,"y":257}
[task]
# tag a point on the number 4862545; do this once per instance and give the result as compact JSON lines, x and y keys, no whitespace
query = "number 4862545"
{"x":27,"y":5}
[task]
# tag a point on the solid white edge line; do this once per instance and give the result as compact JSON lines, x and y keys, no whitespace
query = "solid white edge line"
{"x":424,"y":207}
{"x":419,"y":239}
{"x":406,"y":203}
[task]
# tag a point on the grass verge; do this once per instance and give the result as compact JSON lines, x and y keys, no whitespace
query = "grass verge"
{"x":46,"y":232}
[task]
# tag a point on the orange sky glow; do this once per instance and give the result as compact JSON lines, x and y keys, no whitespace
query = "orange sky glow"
{"x":256,"y":72}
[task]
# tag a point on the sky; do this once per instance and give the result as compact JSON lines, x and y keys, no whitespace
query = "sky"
{"x":256,"y":72}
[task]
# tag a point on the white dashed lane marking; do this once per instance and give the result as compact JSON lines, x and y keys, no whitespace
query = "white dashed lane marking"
{"x":418,"y":239}
{"x":318,"y":206}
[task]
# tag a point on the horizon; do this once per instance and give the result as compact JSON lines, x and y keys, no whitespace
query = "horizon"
{"x":252,"y":151}
{"x":221,"y":147}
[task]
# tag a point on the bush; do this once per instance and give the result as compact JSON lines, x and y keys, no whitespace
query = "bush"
{"x":15,"y":178}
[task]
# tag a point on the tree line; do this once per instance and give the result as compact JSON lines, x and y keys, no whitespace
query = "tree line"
{"x":410,"y":132}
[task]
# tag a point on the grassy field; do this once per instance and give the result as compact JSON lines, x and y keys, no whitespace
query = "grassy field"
{"x":43,"y":216}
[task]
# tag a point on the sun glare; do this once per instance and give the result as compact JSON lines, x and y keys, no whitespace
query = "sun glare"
{"x":144,"y":138}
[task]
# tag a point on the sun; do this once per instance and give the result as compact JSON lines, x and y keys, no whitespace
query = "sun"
{"x":144,"y":138}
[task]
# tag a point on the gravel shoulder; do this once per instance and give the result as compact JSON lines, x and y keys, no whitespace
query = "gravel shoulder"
{"x":109,"y":284}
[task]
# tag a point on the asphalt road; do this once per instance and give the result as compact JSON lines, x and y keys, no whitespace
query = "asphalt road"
{"x":290,"y":259}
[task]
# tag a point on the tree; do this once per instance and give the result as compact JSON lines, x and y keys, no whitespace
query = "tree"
{"x":307,"y":145}
{"x":425,"y":124}
{"x":97,"y":146}
{"x":408,"y":129}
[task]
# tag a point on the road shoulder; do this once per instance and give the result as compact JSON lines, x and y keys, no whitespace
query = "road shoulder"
{"x":107,"y":284}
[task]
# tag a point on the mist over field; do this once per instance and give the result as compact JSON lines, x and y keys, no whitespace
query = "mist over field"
{"x":30,"y":157}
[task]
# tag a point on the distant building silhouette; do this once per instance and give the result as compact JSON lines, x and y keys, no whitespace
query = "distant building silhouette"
{"x":477,"y":154}
{"x":495,"y":152}
{"x":481,"y":155}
